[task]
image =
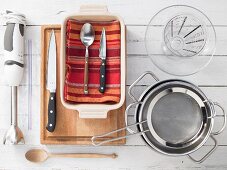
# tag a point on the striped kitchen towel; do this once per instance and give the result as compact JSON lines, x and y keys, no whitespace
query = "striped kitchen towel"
{"x":75,"y":52}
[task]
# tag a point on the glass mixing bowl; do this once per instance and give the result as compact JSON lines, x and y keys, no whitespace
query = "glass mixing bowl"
{"x":180,"y":40}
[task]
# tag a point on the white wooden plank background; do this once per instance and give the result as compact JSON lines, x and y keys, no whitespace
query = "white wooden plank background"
{"x":134,"y":155}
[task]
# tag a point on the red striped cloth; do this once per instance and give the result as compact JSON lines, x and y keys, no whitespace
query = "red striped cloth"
{"x":75,"y":52}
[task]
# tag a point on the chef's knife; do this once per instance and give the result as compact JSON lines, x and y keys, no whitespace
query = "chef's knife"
{"x":102,"y":55}
{"x":51,"y":83}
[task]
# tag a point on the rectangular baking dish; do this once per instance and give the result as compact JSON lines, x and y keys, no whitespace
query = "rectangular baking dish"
{"x":93,"y":13}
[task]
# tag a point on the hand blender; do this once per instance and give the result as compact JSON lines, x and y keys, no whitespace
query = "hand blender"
{"x":13,"y":69}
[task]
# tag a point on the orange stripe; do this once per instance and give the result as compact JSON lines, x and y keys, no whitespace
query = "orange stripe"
{"x":97,"y":37}
{"x":103,"y":23}
{"x":93,"y":100}
{"x":81,"y":61}
{"x":93,"y":91}
{"x":96,"y":43}
{"x":96,"y":28}
{"x":94,"y":59}
{"x":96,"y":46}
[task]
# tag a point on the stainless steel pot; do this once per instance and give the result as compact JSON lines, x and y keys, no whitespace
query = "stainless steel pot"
{"x":174,"y":117}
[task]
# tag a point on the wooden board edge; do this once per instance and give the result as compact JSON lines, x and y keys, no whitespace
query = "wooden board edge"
{"x":50,"y":141}
{"x":42,"y":81}
{"x":42,"y":85}
{"x":124,"y":105}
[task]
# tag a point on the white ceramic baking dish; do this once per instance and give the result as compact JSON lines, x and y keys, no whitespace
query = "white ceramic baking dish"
{"x":93,"y":13}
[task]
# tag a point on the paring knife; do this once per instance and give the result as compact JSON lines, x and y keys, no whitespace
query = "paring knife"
{"x":102,"y":55}
{"x":51,"y":83}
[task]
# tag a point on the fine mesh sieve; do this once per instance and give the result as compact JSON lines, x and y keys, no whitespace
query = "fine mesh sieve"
{"x":181,"y":116}
{"x":174,"y":117}
{"x":176,"y":113}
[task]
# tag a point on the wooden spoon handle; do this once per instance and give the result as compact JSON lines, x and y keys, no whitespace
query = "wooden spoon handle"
{"x":84,"y":155}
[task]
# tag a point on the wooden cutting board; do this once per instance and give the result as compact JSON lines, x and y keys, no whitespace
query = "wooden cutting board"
{"x":70,"y":129}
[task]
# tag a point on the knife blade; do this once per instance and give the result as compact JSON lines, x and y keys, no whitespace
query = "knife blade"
{"x":102,"y":55}
{"x":51,"y":82}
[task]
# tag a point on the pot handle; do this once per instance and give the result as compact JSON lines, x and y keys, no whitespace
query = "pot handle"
{"x":126,"y":116}
{"x":208,"y":154}
{"x":223,"y":115}
{"x":137,"y":81}
{"x":213,"y":133}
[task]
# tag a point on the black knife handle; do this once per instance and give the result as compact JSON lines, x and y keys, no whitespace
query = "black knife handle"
{"x":102,"y":76}
{"x":51,"y":112}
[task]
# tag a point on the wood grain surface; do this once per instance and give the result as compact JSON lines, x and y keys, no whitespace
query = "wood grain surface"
{"x":70,"y":129}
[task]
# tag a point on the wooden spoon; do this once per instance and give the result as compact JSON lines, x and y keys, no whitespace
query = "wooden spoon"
{"x":40,"y":155}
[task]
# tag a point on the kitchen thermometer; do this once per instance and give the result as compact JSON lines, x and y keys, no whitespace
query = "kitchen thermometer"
{"x":180,"y":40}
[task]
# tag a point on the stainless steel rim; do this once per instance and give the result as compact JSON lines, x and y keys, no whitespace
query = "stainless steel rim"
{"x":139,"y":113}
{"x":162,"y":94}
{"x":139,"y":102}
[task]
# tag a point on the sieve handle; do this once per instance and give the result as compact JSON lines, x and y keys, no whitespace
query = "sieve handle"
{"x":95,"y":141}
{"x":138,"y":80}
{"x":223,"y":115}
{"x":208,"y":154}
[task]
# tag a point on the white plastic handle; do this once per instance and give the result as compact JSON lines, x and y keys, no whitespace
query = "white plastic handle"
{"x":91,"y":8}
